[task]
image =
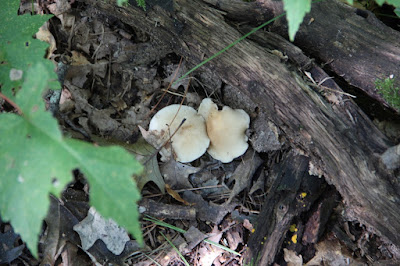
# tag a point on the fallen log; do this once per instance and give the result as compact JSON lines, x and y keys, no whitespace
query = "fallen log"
{"x":341,"y":142}
{"x":350,"y":42}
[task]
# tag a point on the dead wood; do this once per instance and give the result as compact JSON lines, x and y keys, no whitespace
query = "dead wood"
{"x":163,"y":211}
{"x":339,"y":139}
{"x":351,"y":42}
{"x":285,"y":200}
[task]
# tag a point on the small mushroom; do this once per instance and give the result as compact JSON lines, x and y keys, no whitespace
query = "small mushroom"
{"x":226,"y":130}
{"x":190,"y":140}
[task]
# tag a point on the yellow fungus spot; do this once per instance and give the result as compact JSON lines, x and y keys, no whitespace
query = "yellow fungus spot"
{"x":253,"y":230}
{"x":293,"y":228}
{"x":303,"y":195}
{"x":294,"y":238}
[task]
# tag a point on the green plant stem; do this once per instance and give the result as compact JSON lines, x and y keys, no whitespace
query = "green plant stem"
{"x":235,"y":42}
{"x":230,"y":46}
{"x":176,"y":249}
{"x":164,"y":224}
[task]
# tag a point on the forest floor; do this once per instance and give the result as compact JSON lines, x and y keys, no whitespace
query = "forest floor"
{"x":115,"y":78}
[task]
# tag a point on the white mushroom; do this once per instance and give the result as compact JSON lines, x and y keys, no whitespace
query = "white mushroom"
{"x":190,"y":141}
{"x":226,"y":130}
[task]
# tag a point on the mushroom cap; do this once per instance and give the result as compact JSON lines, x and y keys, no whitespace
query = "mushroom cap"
{"x":190,"y":141}
{"x":226,"y":130}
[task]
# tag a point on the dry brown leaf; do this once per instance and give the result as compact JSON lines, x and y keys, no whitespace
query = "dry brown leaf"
{"x":244,"y":172}
{"x":177,"y":174}
{"x":248,"y":225}
{"x":152,"y":137}
{"x":175,"y":195}
{"x":59,"y":7}
{"x":193,"y":237}
{"x":45,"y":35}
{"x":291,"y":258}
{"x":78,"y":59}
{"x":234,"y":238}
{"x":331,"y":253}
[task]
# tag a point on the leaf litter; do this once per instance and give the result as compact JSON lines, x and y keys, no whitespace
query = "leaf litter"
{"x":110,"y":86}
{"x":115,"y":77}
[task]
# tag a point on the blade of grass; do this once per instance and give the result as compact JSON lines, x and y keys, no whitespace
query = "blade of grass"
{"x":222,"y":247}
{"x":230,"y":46}
{"x":176,"y":249}
{"x":150,"y":258}
{"x":234,"y":43}
{"x":164,"y":224}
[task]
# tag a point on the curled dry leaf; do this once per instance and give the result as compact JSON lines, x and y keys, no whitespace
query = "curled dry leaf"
{"x":94,"y":227}
{"x":244,"y":172}
{"x":45,"y":35}
{"x":176,"y":174}
{"x":175,"y":195}
{"x":291,"y":258}
{"x":248,"y":225}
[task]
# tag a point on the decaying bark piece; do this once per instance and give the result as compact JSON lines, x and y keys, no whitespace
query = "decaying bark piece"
{"x":339,"y":138}
{"x":292,"y":193}
{"x":167,"y":211}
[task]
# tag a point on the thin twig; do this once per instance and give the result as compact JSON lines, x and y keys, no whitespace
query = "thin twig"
{"x":165,"y":92}
{"x":180,"y":105}
{"x":332,"y":90}
{"x":186,"y":189}
{"x":165,"y":143}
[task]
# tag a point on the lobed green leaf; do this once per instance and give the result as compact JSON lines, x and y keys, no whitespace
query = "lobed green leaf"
{"x":37,"y":160}
{"x":34,"y":157}
{"x":295,"y":12}
{"x":18,"y":48}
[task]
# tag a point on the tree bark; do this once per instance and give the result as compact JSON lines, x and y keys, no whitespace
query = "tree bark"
{"x":351,"y":42}
{"x":338,"y":137}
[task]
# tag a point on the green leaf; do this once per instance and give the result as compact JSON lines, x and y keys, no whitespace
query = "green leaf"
{"x":395,"y":3}
{"x":113,"y":192}
{"x":140,"y":3}
{"x":350,"y":2}
{"x":295,"y":12}
{"x":18,"y":49}
{"x":36,"y":160}
{"x":397,"y":11}
{"x":121,"y":2}
{"x":146,"y":155}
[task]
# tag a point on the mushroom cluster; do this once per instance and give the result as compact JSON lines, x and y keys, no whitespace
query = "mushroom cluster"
{"x":222,"y":133}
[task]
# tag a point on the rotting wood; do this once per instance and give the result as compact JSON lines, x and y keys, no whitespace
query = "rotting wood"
{"x":351,"y":42}
{"x":339,"y":139}
{"x":284,"y":202}
{"x":167,"y":211}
